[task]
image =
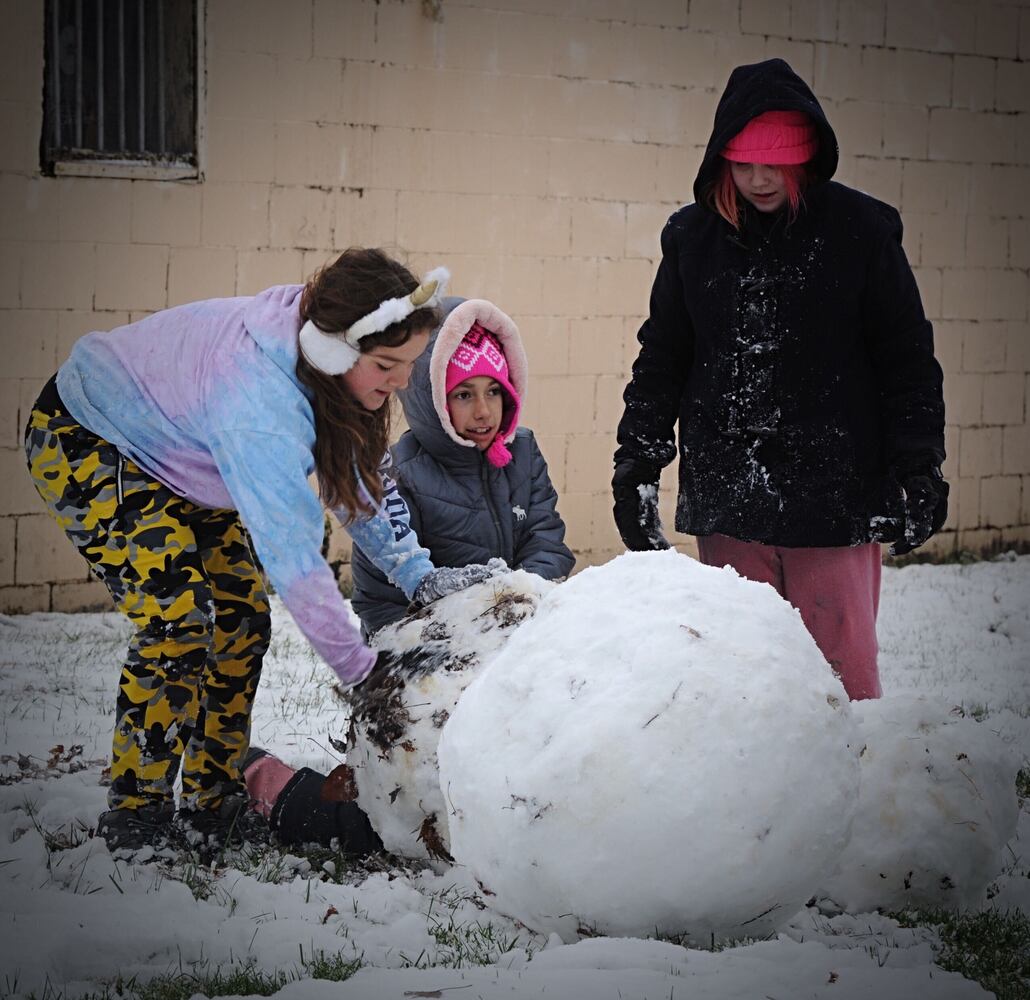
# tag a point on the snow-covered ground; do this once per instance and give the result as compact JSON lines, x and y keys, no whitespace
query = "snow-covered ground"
{"x":72,"y":919}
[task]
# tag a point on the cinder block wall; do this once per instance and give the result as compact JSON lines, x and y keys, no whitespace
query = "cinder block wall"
{"x":535,"y":147}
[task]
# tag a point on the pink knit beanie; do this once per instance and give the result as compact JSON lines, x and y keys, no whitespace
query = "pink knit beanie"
{"x":479,"y":353}
{"x":775,"y":137}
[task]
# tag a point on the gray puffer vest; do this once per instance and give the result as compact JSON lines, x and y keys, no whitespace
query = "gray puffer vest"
{"x":463,"y":509}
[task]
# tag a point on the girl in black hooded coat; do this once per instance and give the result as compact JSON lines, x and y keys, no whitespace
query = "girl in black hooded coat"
{"x":787,"y":343}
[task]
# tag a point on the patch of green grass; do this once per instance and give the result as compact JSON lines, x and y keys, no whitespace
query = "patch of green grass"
{"x":990,"y":947}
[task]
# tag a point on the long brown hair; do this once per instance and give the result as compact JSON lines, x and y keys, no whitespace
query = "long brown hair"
{"x":350,"y":441}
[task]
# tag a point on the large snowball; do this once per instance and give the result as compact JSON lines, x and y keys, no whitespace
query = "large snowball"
{"x":661,"y":748}
{"x":391,"y":748}
{"x":937,"y":806}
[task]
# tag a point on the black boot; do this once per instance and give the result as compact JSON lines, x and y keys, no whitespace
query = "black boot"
{"x":299,"y":816}
{"x":130,"y":830}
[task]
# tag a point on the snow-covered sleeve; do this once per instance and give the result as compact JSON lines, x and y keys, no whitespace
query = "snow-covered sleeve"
{"x":266,"y":475}
{"x":387,"y":539}
{"x":541,"y":547}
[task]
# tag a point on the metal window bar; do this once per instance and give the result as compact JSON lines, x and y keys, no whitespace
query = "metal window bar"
{"x":55,"y":70}
{"x":141,"y":56}
{"x":160,"y":61}
{"x":100,"y":74}
{"x":78,"y":73}
{"x":121,"y":75}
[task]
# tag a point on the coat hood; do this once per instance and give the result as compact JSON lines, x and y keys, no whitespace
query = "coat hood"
{"x":272,"y":318}
{"x":425,"y":399}
{"x":752,"y":90}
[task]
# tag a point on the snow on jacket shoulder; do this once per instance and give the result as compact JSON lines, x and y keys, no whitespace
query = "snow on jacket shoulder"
{"x":464,"y":509}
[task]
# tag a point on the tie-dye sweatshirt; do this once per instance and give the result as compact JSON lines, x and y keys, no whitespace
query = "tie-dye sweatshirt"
{"x":205,"y":398}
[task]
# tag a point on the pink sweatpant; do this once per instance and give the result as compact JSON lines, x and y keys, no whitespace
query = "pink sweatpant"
{"x":265,"y":779}
{"x":837,"y":591}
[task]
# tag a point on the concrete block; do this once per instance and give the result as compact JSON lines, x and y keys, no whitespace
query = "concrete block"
{"x":905,"y":131}
{"x":30,"y":206}
{"x":11,"y":422}
{"x":196,"y":273}
{"x":765,"y":17}
{"x":1024,"y":35}
{"x":528,"y":225}
{"x":1004,"y":398}
{"x":922,"y":79}
{"x":930,"y":25}
{"x":1000,"y":190}
{"x":947,"y":343}
{"x":1019,"y":243}
{"x":517,"y":165}
{"x":1024,"y":515}
{"x":860,"y":125}
{"x":589,"y":463}
{"x":165,"y":212}
{"x":547,"y":341}
{"x":930,"y":282}
{"x":1017,"y":349}
{"x":519,"y":283}
{"x":321,"y":155}
{"x":309,"y":90}
{"x":301,"y":217}
{"x":957,"y":135}
{"x":264,"y":26}
{"x":644,"y":224}
{"x":75,"y":323}
{"x":365,"y":218}
{"x":131,"y":277}
{"x":987,"y":242}
{"x":527,"y":42}
{"x":663,"y":13}
{"x":553,"y":447}
{"x":943,"y":240}
{"x":963,"y":397}
{"x":58,"y":275}
{"x":608,"y":404}
{"x":28,"y":343}
{"x":611,"y":171}
{"x":966,"y":493}
{"x":21,"y":51}
{"x":21,"y":124}
{"x":23,"y":600}
{"x":669,"y":115}
{"x":604,"y":534}
{"x":10,"y":275}
{"x":235,"y":215}
{"x":93,"y":210}
{"x":17,"y":493}
{"x":577,"y":511}
{"x":405,"y":37}
{"x":839,"y":74}
{"x":732,"y":50}
{"x":997,"y":30}
{"x":973,"y":82}
{"x":73,"y":598}
{"x":257,"y":270}
{"x":596,"y":346}
{"x":1013,"y":84}
{"x":935,"y":187}
{"x":862,"y":22}
{"x":984,"y":346}
{"x":880,"y":178}
{"x":241,"y":85}
{"x":1007,"y":294}
{"x":814,"y":20}
{"x":345,"y":29}
{"x":980,"y":452}
{"x":964,"y":293}
{"x":623,"y":287}
{"x":799,"y":54}
{"x":442,"y":223}
{"x":239,"y":150}
{"x":674,"y":176}
{"x":43,"y":552}
{"x":1000,"y":501}
{"x":1015,"y":450}
{"x":569,"y":286}
{"x":561,"y":404}
{"x":715,"y":16}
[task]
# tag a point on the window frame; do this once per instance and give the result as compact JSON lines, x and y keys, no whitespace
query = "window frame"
{"x":138,"y":169}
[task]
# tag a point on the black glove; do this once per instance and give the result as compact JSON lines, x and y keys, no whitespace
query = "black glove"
{"x":925,"y":504}
{"x":635,"y":488}
{"x":439,"y":583}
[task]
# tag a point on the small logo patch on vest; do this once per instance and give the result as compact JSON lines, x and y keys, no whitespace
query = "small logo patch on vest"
{"x":520,"y":514}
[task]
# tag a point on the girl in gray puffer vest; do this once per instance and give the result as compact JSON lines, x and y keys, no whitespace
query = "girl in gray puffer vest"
{"x":475,"y":483}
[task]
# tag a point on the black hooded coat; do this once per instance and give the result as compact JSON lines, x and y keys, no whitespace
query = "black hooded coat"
{"x":463,"y":509}
{"x":794,"y":357}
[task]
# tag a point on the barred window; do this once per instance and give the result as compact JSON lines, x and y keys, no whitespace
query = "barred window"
{"x":120,"y":88}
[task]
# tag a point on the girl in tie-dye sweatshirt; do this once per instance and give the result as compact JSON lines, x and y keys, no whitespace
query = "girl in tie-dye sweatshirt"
{"x":167,"y":447}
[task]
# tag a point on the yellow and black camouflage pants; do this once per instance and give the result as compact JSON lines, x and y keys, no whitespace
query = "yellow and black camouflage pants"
{"x":185,"y":577}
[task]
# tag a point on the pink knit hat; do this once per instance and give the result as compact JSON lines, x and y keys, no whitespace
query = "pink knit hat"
{"x":775,"y":137}
{"x":479,"y":353}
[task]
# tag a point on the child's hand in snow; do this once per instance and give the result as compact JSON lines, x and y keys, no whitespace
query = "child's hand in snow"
{"x":439,"y":583}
